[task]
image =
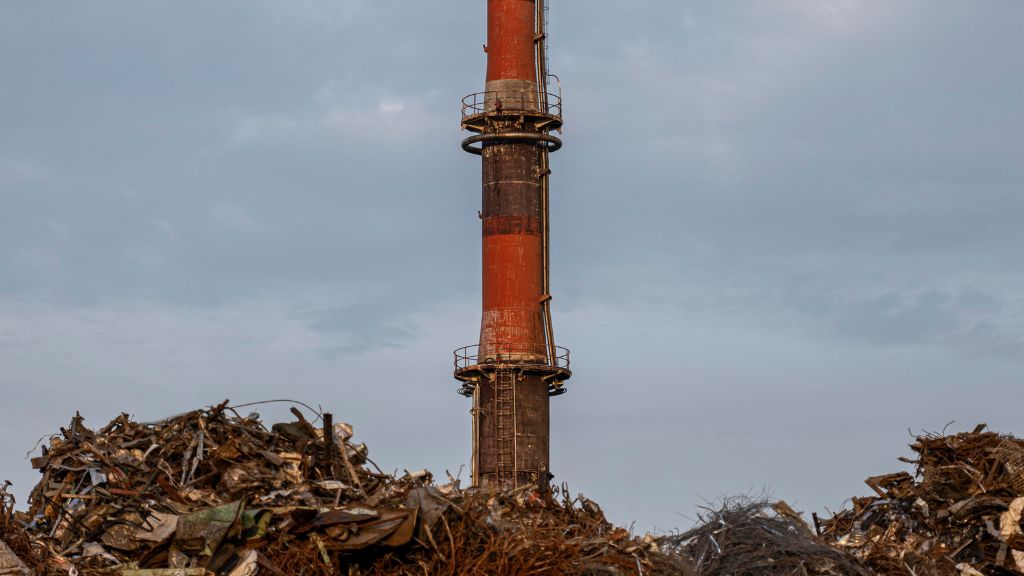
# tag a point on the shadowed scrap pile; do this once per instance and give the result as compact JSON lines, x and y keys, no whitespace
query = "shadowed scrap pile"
{"x":748,"y":537}
{"x":214,"y":492}
{"x":960,"y":514}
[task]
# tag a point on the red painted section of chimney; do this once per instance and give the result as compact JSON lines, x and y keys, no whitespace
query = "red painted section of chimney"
{"x":511,"y":54}
{"x":512,"y":285}
{"x":513,"y":259}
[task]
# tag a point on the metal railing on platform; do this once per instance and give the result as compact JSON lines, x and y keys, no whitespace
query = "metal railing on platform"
{"x":469,"y":356}
{"x":511,"y":102}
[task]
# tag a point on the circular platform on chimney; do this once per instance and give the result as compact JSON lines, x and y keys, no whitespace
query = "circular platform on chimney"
{"x":471,"y":366}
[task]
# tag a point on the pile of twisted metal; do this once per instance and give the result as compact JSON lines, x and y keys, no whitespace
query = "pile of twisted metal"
{"x":216,"y":492}
{"x":960,"y":513}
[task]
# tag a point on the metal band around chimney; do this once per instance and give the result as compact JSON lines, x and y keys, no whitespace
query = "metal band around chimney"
{"x":552,"y":143}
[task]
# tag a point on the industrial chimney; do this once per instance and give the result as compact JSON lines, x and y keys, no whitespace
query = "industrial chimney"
{"x":516,"y":367}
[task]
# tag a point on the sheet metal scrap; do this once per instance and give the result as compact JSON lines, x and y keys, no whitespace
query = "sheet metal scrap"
{"x":17,"y":557}
{"x":755,"y":537}
{"x":11,"y":564}
{"x":959,"y":514}
{"x":212,"y":492}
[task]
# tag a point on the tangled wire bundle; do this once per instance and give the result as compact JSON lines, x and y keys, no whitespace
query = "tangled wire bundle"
{"x":753,"y":537}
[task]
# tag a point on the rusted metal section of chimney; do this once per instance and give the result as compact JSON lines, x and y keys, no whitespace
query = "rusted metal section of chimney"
{"x":516,"y":366}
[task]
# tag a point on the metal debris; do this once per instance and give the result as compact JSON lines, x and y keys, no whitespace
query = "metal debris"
{"x":213,"y":492}
{"x":959,"y":514}
{"x":755,"y":537}
{"x":216,"y":493}
{"x":10,"y":564}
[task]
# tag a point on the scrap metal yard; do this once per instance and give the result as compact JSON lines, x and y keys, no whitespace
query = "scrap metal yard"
{"x":216,"y":491}
{"x":779,"y":232}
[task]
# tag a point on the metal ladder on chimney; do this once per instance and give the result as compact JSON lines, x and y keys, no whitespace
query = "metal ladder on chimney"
{"x":505,"y":416}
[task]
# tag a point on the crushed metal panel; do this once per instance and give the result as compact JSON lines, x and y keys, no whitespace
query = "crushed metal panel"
{"x":158,"y":527}
{"x":202,"y":532}
{"x":10,"y":564}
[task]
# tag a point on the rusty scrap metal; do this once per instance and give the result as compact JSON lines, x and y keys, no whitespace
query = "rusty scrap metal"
{"x":215,"y":493}
{"x":960,"y":513}
{"x":756,"y":537}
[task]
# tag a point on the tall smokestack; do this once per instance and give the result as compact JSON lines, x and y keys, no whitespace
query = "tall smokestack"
{"x":516,"y":366}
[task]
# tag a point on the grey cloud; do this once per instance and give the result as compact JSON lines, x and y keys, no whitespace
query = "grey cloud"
{"x":893,"y":318}
{"x":222,"y":129}
{"x":366,"y":325}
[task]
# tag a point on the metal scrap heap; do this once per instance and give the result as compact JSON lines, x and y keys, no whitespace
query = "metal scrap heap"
{"x":214,"y":492}
{"x":755,"y":537}
{"x":959,"y":514}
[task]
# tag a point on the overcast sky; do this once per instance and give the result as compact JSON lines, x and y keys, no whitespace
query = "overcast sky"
{"x":784,"y":232}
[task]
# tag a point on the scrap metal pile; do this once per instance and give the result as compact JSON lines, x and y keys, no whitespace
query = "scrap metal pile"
{"x":960,"y":514}
{"x":215,"y":492}
{"x":755,"y":537}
